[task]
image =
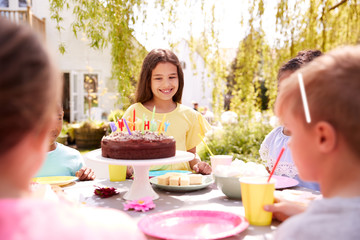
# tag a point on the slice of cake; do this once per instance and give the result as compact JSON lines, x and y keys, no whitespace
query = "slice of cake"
{"x":184,"y":180}
{"x":163,"y":179}
{"x":195,"y":179}
{"x":174,"y":181}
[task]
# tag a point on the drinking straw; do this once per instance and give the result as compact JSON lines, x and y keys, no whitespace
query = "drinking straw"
{"x":200,"y":124}
{"x":276,"y":163}
{"x":127,"y":126}
{"x":206,"y":145}
{"x":304,"y":99}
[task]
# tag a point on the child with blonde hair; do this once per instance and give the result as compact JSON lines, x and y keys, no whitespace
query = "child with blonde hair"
{"x":160,"y":86}
{"x":326,"y":150}
{"x":30,"y":88}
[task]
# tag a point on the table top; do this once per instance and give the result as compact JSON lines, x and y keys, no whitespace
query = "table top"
{"x":210,"y":198}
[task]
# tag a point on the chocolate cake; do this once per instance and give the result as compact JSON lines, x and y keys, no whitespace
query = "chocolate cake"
{"x":150,"y":145}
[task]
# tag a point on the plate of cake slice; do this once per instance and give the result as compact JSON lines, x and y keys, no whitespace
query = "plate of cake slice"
{"x":179,"y":182}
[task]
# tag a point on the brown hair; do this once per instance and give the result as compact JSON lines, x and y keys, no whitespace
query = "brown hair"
{"x":301,"y":58}
{"x":143,"y":90}
{"x":29,"y":86}
{"x":332,"y":84}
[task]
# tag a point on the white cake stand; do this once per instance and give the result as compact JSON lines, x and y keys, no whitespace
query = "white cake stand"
{"x":141,"y":185}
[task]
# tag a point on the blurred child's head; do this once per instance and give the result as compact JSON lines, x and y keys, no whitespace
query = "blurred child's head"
{"x":332,"y":84}
{"x":156,"y":56}
{"x":57,"y":126}
{"x":29,"y":86}
{"x":295,"y":63}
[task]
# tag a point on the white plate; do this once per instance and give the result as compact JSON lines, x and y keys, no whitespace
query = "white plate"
{"x":207,"y":180}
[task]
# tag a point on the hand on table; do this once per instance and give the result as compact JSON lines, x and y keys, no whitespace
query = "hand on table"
{"x":283,"y":209}
{"x":129,"y":172}
{"x":85,"y":174}
{"x":203,"y":168}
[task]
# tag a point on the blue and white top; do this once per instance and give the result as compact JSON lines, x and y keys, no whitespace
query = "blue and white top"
{"x":63,"y":161}
{"x":269,"y":151}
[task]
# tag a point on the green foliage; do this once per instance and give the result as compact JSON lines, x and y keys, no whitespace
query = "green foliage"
{"x":241,"y":140}
{"x":64,"y":129}
{"x":107,"y":22}
{"x":300,"y":25}
{"x":90,"y":124}
{"x":87,"y":125}
{"x":116,"y":114}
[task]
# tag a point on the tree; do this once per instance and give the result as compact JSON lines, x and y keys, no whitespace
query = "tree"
{"x":318,"y":24}
{"x":299,"y":25}
{"x":107,"y":23}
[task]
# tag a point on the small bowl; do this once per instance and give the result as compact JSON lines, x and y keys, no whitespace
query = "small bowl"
{"x":230,"y":186}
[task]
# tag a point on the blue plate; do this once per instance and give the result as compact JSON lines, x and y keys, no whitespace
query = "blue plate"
{"x":159,"y":173}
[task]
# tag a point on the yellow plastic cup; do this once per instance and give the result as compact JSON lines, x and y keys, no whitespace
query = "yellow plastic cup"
{"x":257,"y":192}
{"x":117,"y":173}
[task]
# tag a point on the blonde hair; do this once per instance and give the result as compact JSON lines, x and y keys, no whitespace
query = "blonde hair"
{"x":332,"y":84}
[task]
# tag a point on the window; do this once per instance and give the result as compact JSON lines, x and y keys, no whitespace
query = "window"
{"x":91,"y":91}
{"x":4,"y":3}
{"x":24,"y":3}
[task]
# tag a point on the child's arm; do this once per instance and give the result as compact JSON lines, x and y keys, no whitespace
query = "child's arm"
{"x":197,"y":165}
{"x":85,"y":173}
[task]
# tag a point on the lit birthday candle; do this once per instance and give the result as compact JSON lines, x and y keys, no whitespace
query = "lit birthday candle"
{"x":127,"y":126}
{"x":162,"y":123}
{"x":152,"y":120}
{"x":143,"y":124}
{"x":167,"y":124}
{"x":130,"y":123}
{"x":147,"y":125}
{"x":134,"y":119}
{"x":113,"y":127}
{"x":121,"y":124}
{"x":153,"y":126}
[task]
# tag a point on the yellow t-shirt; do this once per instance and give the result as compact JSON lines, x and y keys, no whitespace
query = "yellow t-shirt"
{"x":185,"y":125}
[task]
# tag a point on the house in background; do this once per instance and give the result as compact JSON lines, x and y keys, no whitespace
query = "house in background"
{"x":198,"y":83}
{"x":87,"y":72}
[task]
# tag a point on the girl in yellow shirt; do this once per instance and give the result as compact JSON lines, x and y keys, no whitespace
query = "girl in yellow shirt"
{"x":161,"y":84}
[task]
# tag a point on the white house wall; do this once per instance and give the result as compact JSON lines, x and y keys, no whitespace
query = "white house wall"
{"x":198,"y":85}
{"x":79,"y":57}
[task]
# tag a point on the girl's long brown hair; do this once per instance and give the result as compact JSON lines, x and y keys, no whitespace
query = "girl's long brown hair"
{"x":143,"y":90}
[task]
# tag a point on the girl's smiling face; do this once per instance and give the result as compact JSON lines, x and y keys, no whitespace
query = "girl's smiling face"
{"x":164,"y":81}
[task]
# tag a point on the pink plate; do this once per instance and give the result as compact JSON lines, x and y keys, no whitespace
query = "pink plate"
{"x":193,"y":224}
{"x":284,"y":182}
